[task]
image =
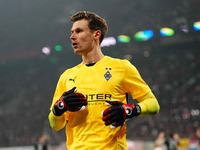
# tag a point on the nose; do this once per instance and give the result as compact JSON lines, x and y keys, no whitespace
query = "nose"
{"x":72,"y":36}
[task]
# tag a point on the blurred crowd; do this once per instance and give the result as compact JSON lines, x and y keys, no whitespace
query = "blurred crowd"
{"x":174,"y":77}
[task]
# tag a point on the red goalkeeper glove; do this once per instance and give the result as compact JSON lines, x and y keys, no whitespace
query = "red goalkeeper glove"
{"x":69,"y":101}
{"x":119,"y":112}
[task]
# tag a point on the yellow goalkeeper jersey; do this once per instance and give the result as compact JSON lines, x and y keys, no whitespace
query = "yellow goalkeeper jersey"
{"x":108,"y":79}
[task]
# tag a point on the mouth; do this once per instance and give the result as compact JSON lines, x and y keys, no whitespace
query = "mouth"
{"x":74,"y":44}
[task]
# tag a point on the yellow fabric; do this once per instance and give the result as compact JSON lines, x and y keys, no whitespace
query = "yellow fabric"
{"x":57,"y":122}
{"x":149,"y":104}
{"x":85,"y":129}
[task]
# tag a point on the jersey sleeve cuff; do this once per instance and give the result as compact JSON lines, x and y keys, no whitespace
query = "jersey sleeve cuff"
{"x":54,"y":117}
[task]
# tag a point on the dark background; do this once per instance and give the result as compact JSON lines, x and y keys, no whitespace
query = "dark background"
{"x":28,"y":77}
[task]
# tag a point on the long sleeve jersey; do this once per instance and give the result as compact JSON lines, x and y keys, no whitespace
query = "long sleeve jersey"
{"x":109,"y":79}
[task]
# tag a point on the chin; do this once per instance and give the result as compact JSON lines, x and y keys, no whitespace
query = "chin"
{"x":78,"y":52}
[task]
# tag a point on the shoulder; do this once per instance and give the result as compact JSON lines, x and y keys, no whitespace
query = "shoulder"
{"x":71,"y":70}
{"x":123,"y":62}
{"x":123,"y":65}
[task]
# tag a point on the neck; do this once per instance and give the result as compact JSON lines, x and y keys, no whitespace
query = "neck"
{"x":92,"y":56}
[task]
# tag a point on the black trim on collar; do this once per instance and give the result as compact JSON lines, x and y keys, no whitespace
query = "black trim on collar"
{"x":92,"y":64}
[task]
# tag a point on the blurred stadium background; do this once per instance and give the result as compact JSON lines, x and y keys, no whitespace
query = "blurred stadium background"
{"x":161,"y":38}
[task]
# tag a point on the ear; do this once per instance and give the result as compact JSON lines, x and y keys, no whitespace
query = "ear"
{"x":97,"y":34}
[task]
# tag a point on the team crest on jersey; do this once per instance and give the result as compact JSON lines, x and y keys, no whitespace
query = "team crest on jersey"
{"x":107,"y":75}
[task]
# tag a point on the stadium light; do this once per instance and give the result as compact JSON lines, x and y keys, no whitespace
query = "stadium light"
{"x":108,"y":41}
{"x":166,"y":31}
{"x":46,"y":50}
{"x":58,"y":48}
{"x":143,"y":35}
{"x":196,"y":25}
{"x":123,"y":39}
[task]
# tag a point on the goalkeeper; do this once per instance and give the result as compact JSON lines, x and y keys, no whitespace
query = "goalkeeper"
{"x":90,"y":98}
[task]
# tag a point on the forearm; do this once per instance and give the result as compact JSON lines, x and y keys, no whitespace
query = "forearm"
{"x":57,"y":122}
{"x":149,"y":104}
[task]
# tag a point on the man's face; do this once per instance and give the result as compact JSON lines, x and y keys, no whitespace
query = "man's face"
{"x":82,"y":38}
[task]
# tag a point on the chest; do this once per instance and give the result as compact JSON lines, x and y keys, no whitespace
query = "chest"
{"x":96,"y":83}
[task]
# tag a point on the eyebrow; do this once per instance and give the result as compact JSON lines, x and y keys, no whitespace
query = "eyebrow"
{"x":76,"y":29}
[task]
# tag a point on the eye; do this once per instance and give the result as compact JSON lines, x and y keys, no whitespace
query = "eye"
{"x":78,"y":30}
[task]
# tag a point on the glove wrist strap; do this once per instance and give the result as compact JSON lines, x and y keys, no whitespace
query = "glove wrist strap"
{"x":136,"y":111}
{"x":57,"y":112}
